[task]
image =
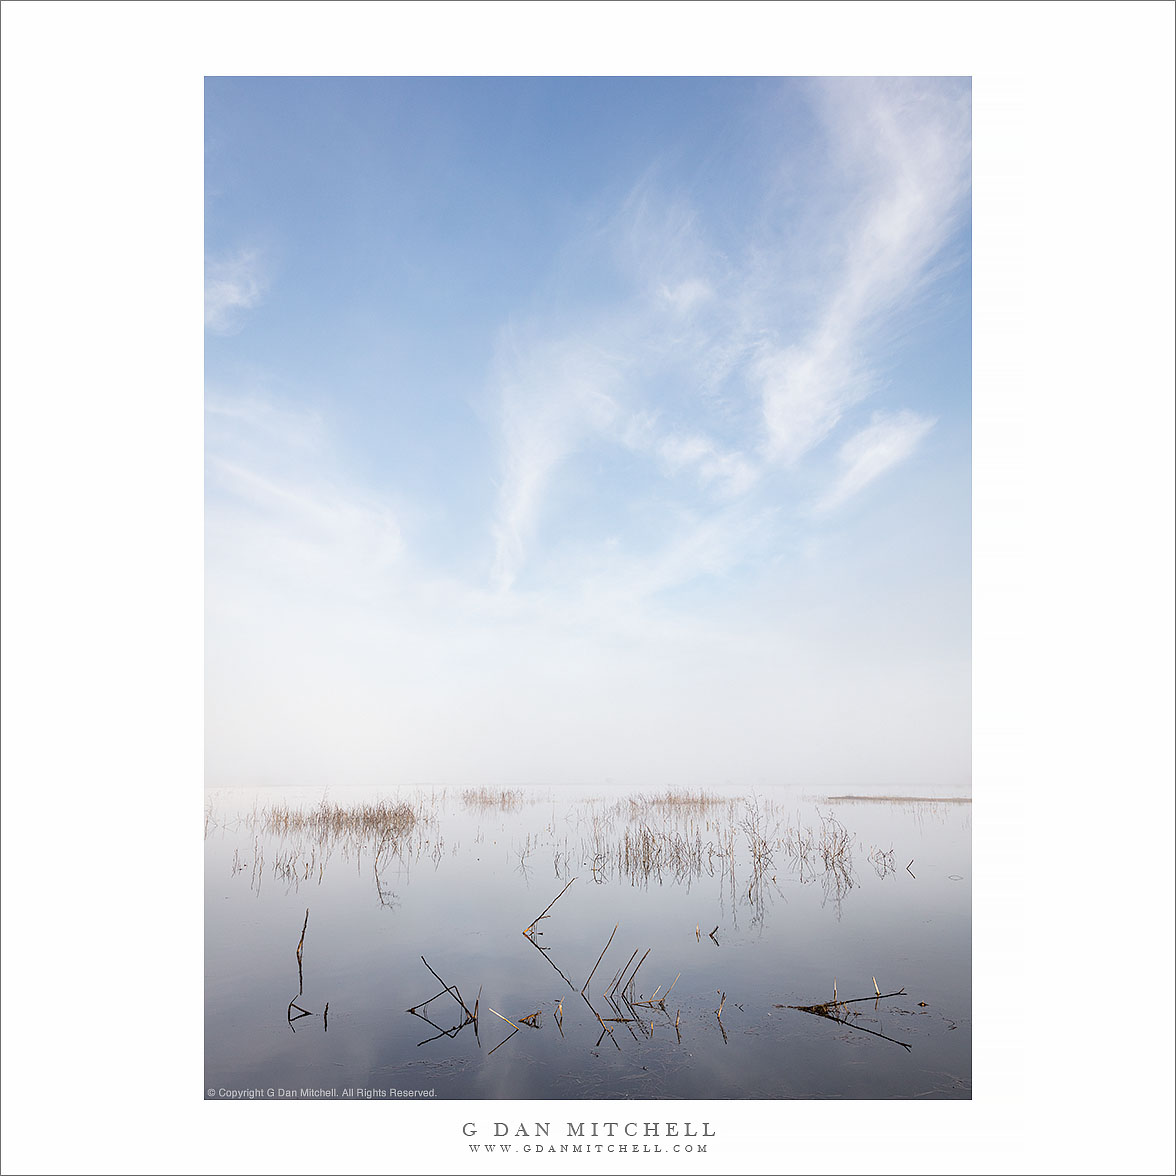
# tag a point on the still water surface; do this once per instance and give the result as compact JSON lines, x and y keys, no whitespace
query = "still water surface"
{"x":800,"y":892}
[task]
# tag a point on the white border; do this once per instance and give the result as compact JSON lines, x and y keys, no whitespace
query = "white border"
{"x":102,"y":116}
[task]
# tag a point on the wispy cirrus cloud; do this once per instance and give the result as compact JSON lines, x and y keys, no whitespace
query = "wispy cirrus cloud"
{"x":729,"y":472}
{"x":905,"y":153}
{"x":651,"y":587}
{"x":233,"y":284}
{"x":552,"y":394}
{"x":279,"y":502}
{"x":708,"y":369}
{"x":887,"y":441}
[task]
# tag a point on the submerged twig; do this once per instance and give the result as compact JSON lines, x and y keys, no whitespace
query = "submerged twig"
{"x":470,"y":1018}
{"x":292,"y":1005}
{"x":451,"y":988}
{"x":597,"y":964}
{"x":543,"y":952}
{"x":831,"y":1010}
{"x":836,"y":1004}
{"x":543,"y":913}
{"x":505,"y":1039}
{"x":607,"y":1030}
{"x":301,"y":939}
{"x":623,"y":970}
{"x":638,"y":968}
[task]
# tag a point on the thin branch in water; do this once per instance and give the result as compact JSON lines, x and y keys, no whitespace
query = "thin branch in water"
{"x":543,"y":913}
{"x":302,"y":937}
{"x":298,"y":949}
{"x":597,"y":964}
{"x":543,"y":952}
{"x":638,"y":969}
{"x":422,"y":1004}
{"x":451,"y":988}
{"x":301,"y":1013}
{"x":598,"y":1017}
{"x":623,"y":986}
{"x":861,"y":1028}
{"x":505,"y":1039}
{"x":832,"y":1010}
{"x":621,"y":1018}
{"x":851,"y":1000}
{"x":450,"y":1033}
{"x":623,"y":970}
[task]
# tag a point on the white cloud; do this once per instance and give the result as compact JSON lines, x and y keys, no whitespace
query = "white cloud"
{"x":252,"y":417}
{"x":805,"y":391}
{"x":280,"y":506}
{"x":232,"y":285}
{"x":552,"y":394}
{"x":905,"y":151}
{"x":685,"y":296}
{"x":730,"y":472}
{"x":887,"y":441}
{"x":712,"y":370}
{"x":627,"y":376}
{"x":651,"y":602}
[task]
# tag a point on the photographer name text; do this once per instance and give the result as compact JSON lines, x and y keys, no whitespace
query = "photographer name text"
{"x":629,"y":1136}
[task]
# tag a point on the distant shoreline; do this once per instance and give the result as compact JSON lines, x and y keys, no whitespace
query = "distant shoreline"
{"x":923,"y":799}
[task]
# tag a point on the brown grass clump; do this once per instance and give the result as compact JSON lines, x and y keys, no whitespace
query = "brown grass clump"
{"x":673,"y":802}
{"x":328,"y":822}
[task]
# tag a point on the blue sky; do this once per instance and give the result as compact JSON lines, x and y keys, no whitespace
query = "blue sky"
{"x":572,"y":430}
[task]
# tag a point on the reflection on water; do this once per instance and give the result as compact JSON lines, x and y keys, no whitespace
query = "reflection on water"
{"x":685,"y":945}
{"x":294,"y":1011}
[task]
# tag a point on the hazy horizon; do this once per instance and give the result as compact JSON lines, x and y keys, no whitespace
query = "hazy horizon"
{"x":563,"y":431}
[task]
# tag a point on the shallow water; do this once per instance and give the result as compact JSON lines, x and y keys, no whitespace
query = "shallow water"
{"x":832,"y":899}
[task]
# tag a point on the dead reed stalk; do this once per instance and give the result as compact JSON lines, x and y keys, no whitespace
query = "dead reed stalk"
{"x":597,"y":964}
{"x":543,"y":913}
{"x":301,"y":939}
{"x":623,"y":970}
{"x":638,"y":969}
